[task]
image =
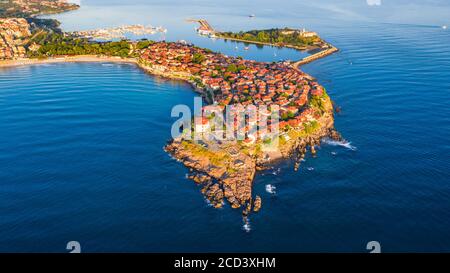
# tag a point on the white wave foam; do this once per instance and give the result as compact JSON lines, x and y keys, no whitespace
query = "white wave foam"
{"x":342,"y":143}
{"x":246,"y":227}
{"x":270,"y":189}
{"x":276,"y":171}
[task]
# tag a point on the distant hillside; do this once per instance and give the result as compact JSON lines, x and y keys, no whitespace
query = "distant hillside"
{"x":29,"y":8}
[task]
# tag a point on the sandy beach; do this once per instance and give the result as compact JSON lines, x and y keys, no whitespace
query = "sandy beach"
{"x":69,"y":59}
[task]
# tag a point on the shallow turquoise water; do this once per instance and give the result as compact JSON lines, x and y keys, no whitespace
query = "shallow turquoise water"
{"x":81,"y":148}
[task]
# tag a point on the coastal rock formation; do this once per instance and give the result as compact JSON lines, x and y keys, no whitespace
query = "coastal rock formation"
{"x":13,"y":34}
{"x":257,"y":204}
{"x":223,"y":176}
{"x":214,"y":194}
{"x":226,"y":170}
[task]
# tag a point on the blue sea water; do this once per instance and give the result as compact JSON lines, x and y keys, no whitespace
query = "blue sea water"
{"x":81,"y":153}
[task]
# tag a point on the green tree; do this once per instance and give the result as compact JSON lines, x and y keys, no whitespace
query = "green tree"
{"x":143,"y":44}
{"x":198,"y":58}
{"x":232,"y":68}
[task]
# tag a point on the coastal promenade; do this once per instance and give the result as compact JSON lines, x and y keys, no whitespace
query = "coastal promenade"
{"x":69,"y":59}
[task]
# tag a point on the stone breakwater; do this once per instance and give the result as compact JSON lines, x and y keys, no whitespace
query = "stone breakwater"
{"x":316,"y":56}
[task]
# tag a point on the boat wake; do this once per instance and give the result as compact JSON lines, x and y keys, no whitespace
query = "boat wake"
{"x":343,"y":143}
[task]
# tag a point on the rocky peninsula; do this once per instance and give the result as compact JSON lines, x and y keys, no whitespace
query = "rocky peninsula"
{"x":225,"y":168}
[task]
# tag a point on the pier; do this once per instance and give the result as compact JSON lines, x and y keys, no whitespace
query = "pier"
{"x":316,"y":56}
{"x":204,"y":25}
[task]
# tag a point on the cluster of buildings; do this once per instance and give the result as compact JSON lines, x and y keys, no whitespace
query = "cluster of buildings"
{"x":234,"y":81}
{"x":36,"y":6}
{"x":302,"y":33}
{"x":13,"y":34}
{"x":118,"y":32}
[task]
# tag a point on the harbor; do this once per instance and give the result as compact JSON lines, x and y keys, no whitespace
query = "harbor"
{"x":121,"y":32}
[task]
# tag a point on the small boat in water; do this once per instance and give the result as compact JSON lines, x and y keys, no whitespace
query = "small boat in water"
{"x":252,"y":16}
{"x":246,"y":48}
{"x":444,"y":27}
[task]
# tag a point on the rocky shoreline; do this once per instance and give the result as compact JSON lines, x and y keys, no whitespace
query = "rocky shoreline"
{"x":219,"y":184}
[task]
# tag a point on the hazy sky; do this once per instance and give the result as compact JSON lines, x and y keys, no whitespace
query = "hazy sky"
{"x":427,"y":12}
